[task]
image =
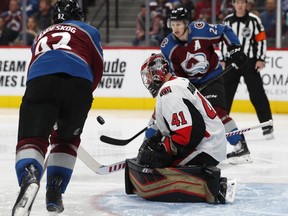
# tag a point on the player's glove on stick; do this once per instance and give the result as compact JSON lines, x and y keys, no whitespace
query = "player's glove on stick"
{"x":237,"y":55}
{"x":153,"y":153}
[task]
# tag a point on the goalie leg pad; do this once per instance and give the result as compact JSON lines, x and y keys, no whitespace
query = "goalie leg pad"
{"x":212,"y":178}
{"x":172,"y":184}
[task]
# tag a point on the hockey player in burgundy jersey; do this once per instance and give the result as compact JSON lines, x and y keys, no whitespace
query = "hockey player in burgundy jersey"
{"x":189,"y":133}
{"x":190,"y":52}
{"x":65,"y":68}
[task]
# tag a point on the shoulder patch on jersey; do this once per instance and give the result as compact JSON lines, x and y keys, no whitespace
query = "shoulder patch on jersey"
{"x":165,"y":91}
{"x":164,"y":42}
{"x":199,"y":25}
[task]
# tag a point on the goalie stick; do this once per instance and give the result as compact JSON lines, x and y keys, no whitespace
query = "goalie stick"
{"x":120,"y":142}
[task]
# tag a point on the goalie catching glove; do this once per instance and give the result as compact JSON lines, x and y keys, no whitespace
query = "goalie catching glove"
{"x":153,"y":152}
{"x":237,"y":55}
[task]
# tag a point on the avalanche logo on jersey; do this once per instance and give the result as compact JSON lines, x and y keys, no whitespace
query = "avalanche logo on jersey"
{"x":190,"y":61}
{"x":165,"y":91}
{"x":199,"y":25}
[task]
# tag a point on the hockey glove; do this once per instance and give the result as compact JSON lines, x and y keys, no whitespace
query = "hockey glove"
{"x":237,"y":55}
{"x":153,"y":153}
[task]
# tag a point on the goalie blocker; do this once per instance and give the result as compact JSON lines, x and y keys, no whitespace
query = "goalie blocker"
{"x":175,"y":184}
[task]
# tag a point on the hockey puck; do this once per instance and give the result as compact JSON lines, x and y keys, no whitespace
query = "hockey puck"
{"x":100,"y":120}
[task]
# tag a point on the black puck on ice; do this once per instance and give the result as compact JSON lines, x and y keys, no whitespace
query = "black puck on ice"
{"x":100,"y":120}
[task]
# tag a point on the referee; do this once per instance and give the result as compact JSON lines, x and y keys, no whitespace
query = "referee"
{"x":250,"y":31}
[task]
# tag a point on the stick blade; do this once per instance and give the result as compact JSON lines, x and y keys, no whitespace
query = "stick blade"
{"x":113,"y":141}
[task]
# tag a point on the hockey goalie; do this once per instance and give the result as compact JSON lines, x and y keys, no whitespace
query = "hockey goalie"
{"x":178,"y":159}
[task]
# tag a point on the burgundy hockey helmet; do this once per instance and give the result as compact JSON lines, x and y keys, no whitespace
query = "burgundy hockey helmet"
{"x":179,"y":14}
{"x":66,"y":10}
{"x":153,"y":72}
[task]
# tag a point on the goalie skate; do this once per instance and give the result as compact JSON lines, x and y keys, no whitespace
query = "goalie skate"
{"x":29,"y":189}
{"x":231,"y":190}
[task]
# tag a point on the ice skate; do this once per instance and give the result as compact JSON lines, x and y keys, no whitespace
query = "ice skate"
{"x":268,"y":133}
{"x":240,"y":154}
{"x":29,"y":189}
{"x":54,"y":202}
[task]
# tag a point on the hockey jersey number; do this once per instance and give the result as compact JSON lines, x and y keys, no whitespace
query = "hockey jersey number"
{"x":211,"y":113}
{"x":176,"y":121}
{"x":42,"y":45}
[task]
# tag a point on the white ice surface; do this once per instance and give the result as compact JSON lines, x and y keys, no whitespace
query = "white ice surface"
{"x":262,"y":188}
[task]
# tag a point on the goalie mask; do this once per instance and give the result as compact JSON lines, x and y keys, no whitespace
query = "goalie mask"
{"x":153,"y":73}
{"x":66,"y":10}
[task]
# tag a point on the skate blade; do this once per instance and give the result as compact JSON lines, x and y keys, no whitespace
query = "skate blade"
{"x":53,"y":214}
{"x":23,"y":207}
{"x":240,"y":160}
{"x":269,"y":136}
{"x":231,"y":190}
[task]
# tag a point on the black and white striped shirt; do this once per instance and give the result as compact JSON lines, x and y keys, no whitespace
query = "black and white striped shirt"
{"x":251,"y":34}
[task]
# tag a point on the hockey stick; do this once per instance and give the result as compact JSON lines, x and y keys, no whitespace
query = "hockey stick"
{"x":98,"y":168}
{"x":238,"y":132}
{"x":120,"y":142}
{"x":228,"y":69}
{"x":95,"y":166}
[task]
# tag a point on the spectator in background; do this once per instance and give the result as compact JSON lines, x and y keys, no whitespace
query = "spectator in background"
{"x":13,"y":17}
{"x":164,"y":8}
{"x":30,"y":8}
{"x":285,"y":11}
{"x":4,"y":5}
{"x":268,"y":17}
{"x":140,"y":26}
{"x":175,"y":3}
{"x":225,"y":9}
{"x":43,"y":14}
{"x":31,"y":33}
{"x":251,"y":7}
{"x":189,"y":5}
{"x":203,"y":10}
{"x":7,"y":36}
{"x":155,"y":29}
